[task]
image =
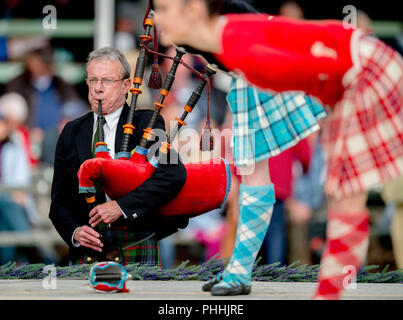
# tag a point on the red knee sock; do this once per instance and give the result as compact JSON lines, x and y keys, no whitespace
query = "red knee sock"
{"x":346,"y":245}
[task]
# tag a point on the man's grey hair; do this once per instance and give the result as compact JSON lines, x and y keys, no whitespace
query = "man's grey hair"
{"x":111,"y":54}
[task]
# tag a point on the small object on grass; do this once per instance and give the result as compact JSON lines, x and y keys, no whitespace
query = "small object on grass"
{"x":108,"y":277}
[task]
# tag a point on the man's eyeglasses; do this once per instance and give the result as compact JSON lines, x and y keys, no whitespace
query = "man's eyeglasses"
{"x":104,"y":81}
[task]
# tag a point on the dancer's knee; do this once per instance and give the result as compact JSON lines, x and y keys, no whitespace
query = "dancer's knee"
{"x":256,"y":175}
{"x":351,"y":204}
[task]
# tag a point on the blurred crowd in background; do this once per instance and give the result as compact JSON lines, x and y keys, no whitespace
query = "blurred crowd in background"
{"x":42,"y":87}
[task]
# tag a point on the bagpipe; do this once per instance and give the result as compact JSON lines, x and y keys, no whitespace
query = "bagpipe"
{"x":207,"y":183}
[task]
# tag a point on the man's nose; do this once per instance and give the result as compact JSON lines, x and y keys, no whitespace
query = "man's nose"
{"x":99,"y":87}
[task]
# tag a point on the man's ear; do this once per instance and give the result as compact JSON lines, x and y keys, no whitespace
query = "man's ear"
{"x":126,"y":85}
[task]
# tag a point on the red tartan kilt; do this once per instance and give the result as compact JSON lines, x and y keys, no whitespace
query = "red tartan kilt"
{"x":363,"y":133}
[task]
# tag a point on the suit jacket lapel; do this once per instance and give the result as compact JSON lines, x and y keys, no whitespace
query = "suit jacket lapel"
{"x":119,"y":129}
{"x":84,"y":138}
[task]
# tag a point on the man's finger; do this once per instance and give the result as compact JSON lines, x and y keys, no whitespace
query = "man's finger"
{"x":94,"y":211}
{"x":95,"y":220}
{"x":92,"y":239}
{"x":89,"y":233}
{"x":89,"y":230}
{"x":91,"y":246}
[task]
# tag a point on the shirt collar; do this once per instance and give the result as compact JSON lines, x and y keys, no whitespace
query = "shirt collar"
{"x":112,"y":119}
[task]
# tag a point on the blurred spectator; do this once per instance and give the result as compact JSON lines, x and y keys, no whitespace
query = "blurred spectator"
{"x":44,"y":91}
{"x":14,"y":108}
{"x":208,"y":230}
{"x":308,"y":187}
{"x":306,"y":209}
{"x":168,"y":252}
{"x":14,"y":174}
{"x":70,"y":110}
{"x":393,"y":197}
{"x":7,"y":11}
{"x":184,"y":84}
{"x":16,"y":48}
{"x":126,"y":38}
{"x":3,"y":49}
{"x":220,"y":84}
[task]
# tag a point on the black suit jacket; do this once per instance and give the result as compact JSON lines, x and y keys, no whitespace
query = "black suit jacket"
{"x":68,"y":208}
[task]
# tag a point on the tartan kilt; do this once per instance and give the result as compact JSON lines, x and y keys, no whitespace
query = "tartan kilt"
{"x":363,"y":134}
{"x":144,"y":253}
{"x":265,"y":123}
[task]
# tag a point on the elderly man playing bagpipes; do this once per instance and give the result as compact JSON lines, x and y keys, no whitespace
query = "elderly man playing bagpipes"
{"x":135,"y":228}
{"x":148,"y":195}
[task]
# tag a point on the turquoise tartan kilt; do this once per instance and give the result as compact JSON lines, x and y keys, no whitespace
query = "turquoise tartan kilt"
{"x":144,"y":253}
{"x":266,"y":123}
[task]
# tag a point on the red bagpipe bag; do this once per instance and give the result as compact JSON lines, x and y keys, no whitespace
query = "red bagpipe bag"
{"x":206,"y":188}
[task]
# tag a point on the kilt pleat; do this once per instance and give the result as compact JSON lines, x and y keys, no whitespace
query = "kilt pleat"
{"x":145,"y":252}
{"x":363,"y":133}
{"x":266,"y":123}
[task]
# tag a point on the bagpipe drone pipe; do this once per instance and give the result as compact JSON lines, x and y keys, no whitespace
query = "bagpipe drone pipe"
{"x":207,"y":184}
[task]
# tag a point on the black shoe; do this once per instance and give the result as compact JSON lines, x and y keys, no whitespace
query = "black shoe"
{"x":232,"y":290}
{"x":209,"y":284}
